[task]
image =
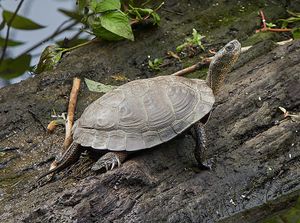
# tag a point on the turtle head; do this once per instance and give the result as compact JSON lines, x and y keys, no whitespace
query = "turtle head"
{"x":222,"y":63}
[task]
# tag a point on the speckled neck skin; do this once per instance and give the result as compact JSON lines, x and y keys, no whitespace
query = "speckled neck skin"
{"x":221,"y":64}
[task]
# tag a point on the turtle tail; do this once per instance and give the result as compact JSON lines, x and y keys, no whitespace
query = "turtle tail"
{"x":70,"y":156}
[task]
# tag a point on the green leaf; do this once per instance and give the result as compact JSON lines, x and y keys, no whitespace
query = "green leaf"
{"x":155,"y":64}
{"x":296,"y":33}
{"x":20,"y":22}
{"x":296,"y":14}
{"x":285,"y":22}
{"x":156,"y":18}
{"x":10,"y":42}
{"x":2,"y":25}
{"x":11,"y":68}
{"x":72,"y":14}
{"x":103,"y":33}
{"x":112,"y":26}
{"x":142,"y":13}
{"x":117,"y":23}
{"x":49,"y":58}
{"x":270,"y":25}
{"x":98,"y":87}
{"x":191,"y":42}
{"x":181,"y":47}
{"x":98,"y":6}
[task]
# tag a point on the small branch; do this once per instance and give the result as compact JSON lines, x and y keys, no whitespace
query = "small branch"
{"x":263,"y":19}
{"x":8,"y":30}
{"x":264,"y":25}
{"x":71,"y":111}
{"x":193,"y":68}
{"x":281,"y":43}
{"x":57,"y":32}
{"x":273,"y":30}
{"x":70,"y":119}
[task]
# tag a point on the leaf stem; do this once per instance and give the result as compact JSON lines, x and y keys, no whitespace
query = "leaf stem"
{"x":79,"y":45}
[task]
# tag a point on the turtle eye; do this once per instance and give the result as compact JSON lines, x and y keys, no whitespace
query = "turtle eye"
{"x":230,"y":47}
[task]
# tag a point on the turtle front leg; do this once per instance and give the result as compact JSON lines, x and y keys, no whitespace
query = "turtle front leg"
{"x":200,"y":148}
{"x":110,"y":161}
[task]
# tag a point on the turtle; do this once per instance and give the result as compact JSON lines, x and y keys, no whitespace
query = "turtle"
{"x":144,"y":113}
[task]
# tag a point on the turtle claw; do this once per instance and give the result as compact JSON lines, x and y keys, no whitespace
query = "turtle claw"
{"x":114,"y":164}
{"x":107,"y":162}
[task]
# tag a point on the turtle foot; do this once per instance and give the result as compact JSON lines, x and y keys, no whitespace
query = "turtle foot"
{"x":107,"y":162}
{"x":201,"y":167}
{"x":204,"y":167}
{"x":207,"y":166}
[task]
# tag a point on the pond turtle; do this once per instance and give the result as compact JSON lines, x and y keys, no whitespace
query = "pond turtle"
{"x":144,"y":113}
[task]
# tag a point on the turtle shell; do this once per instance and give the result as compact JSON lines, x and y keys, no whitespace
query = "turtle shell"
{"x":143,"y":113}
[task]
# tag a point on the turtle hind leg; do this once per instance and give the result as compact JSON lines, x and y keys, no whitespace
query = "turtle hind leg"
{"x":110,"y":161}
{"x":200,"y":148}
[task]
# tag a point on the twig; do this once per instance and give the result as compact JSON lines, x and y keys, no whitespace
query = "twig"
{"x":273,"y":30}
{"x":264,"y":25}
{"x":8,"y":29}
{"x":294,"y":116}
{"x":281,"y":43}
{"x":70,"y":119}
{"x":71,"y":111}
{"x":246,"y":48}
{"x":193,"y":68}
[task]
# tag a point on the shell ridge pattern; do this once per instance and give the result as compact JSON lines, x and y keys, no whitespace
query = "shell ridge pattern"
{"x":172,"y":78}
{"x":168,"y":98}
{"x":155,"y":102}
{"x":183,"y":99}
{"x":166,"y":131}
{"x":144,"y":108}
{"x":143,"y":113}
{"x":132,"y":117}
